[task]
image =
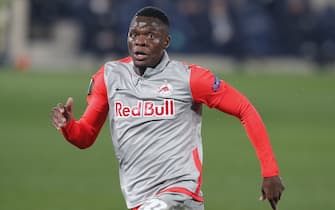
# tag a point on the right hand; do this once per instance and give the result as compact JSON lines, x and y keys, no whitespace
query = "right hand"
{"x":62,"y":114}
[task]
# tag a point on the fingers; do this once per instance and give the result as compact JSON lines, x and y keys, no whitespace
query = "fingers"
{"x":68,"y":108}
{"x":273,"y":204}
{"x":273,"y":199}
{"x":61,"y":114}
{"x":272,"y":188}
{"x":58,"y":116}
{"x":69,"y":103}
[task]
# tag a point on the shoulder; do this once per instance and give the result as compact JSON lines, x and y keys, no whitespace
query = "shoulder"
{"x":179,"y":67}
{"x":112,"y":65}
{"x":97,"y":82}
{"x":99,"y":74}
{"x":201,"y":74}
{"x":204,"y":83}
{"x":195,"y":72}
{"x":189,"y":67}
{"x":194,"y":68}
{"x":125,"y":60}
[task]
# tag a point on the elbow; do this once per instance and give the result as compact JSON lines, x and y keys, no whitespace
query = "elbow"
{"x":82,"y":135}
{"x":82,"y":147}
{"x":246,"y":111}
{"x":87,"y":143}
{"x":81,"y":144}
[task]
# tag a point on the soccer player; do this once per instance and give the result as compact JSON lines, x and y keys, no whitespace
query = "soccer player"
{"x":154,"y":109}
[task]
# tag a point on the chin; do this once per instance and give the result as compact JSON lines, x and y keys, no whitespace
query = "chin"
{"x":140,"y":64}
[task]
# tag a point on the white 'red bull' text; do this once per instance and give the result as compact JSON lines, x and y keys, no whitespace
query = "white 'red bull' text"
{"x":144,"y":109}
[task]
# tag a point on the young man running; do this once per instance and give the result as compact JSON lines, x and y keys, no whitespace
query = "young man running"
{"x":154,"y":108}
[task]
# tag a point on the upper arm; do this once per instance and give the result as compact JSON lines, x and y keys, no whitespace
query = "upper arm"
{"x":208,"y":89}
{"x":97,"y":93}
{"x":97,"y":108}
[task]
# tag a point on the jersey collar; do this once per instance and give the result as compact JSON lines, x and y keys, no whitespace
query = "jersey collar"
{"x":159,"y":68}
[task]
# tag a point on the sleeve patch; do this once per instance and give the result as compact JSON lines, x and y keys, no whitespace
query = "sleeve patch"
{"x":216,"y":84}
{"x":90,"y":87}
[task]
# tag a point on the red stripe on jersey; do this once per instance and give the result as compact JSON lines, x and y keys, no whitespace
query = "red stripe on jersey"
{"x":206,"y":89}
{"x":198,"y":164}
{"x":195,"y":195}
{"x":183,"y":191}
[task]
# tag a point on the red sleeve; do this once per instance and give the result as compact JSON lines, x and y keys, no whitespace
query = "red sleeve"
{"x":206,"y":88}
{"x":82,"y":133}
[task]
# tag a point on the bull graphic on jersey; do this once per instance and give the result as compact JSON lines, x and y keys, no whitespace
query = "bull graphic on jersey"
{"x":166,"y":89}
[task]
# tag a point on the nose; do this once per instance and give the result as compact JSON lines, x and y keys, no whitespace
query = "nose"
{"x":140,"y":41}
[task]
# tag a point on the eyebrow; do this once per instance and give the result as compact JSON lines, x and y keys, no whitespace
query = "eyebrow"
{"x":153,"y":29}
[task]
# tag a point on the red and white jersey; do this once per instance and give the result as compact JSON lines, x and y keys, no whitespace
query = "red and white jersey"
{"x":155,"y":123}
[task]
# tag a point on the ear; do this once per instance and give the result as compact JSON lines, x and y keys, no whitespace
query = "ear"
{"x":167,"y":41}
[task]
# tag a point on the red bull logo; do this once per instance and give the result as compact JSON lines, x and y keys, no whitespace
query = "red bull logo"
{"x":144,"y":109}
{"x":166,"y":89}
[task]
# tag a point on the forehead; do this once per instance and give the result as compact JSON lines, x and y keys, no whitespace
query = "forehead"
{"x":142,"y":22}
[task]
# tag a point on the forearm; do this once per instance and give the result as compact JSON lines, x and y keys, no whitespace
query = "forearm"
{"x":83,"y":133}
{"x":259,"y":138}
{"x":236,"y":104}
{"x":79,"y":134}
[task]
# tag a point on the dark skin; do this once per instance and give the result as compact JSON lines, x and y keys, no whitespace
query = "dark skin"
{"x":272,"y":189}
{"x":147,"y":39}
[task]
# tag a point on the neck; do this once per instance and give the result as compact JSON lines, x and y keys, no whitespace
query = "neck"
{"x":140,"y":70}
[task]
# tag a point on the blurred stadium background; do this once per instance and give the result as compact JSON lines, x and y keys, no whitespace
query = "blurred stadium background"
{"x":60,"y":33}
{"x":280,"y":53}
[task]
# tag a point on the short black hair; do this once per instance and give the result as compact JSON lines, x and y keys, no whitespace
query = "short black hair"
{"x":154,"y":12}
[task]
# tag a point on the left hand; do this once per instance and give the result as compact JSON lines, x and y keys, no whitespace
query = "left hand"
{"x":272,"y":189}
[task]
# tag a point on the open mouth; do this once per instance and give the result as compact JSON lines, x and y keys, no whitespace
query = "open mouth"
{"x":140,"y":55}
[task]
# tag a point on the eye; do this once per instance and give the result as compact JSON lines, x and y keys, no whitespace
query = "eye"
{"x":132,"y":35}
{"x":151,"y":36}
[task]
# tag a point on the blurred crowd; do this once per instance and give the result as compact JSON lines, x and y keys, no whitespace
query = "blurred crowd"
{"x":237,"y":28}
